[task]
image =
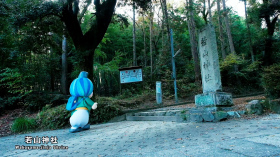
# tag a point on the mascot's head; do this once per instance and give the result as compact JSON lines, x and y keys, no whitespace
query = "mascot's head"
{"x":81,"y":86}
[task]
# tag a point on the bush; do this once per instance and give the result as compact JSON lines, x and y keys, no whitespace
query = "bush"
{"x":239,"y":73}
{"x":9,"y":102}
{"x":104,"y":113}
{"x":131,"y":89}
{"x":270,"y":80}
{"x":23,"y":124}
{"x":58,"y":117}
{"x":53,"y":118}
{"x":35,"y":101}
{"x":186,"y":89}
{"x":13,"y":87}
{"x":15,"y":81}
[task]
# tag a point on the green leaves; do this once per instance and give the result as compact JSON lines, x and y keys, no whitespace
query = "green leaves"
{"x":15,"y":81}
{"x":53,"y":118}
{"x":144,"y":4}
{"x":230,"y":61}
{"x":270,"y":80}
{"x":239,"y":72}
{"x":30,"y":11}
{"x":23,"y":124}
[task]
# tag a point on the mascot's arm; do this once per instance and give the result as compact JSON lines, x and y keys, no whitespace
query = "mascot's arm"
{"x":94,"y":106}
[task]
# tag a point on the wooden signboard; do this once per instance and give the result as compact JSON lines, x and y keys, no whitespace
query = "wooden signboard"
{"x":131,"y":74}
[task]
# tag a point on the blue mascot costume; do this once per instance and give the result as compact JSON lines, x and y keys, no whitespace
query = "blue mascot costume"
{"x":81,"y":90}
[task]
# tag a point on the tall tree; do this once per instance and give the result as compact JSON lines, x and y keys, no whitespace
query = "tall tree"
{"x":209,"y":11}
{"x":144,"y":40}
{"x":166,"y":21}
{"x":249,"y":31}
{"x":86,"y":43}
{"x":193,"y":39}
{"x":269,"y":11}
{"x":134,"y":36}
{"x":64,"y":86}
{"x":151,"y":17}
{"x":204,"y":11}
{"x":231,"y":45}
{"x":69,"y":12}
{"x":221,"y":30}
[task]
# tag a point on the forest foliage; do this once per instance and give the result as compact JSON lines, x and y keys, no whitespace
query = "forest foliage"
{"x":31,"y":50}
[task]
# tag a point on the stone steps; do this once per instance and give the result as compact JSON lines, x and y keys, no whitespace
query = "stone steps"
{"x":173,"y":115}
{"x":176,"y":115}
{"x":152,"y":118}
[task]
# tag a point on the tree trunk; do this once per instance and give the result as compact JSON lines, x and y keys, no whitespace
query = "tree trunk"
{"x":209,"y":11}
{"x":162,"y":38}
{"x":204,"y":12}
{"x":88,"y":65}
{"x":144,"y":35}
{"x":249,"y":33}
{"x":52,"y":72}
{"x":270,"y":24}
{"x":86,"y":44}
{"x":134,"y":37}
{"x":164,"y":7}
{"x":221,"y":30}
{"x":268,"y":60}
{"x":228,"y":29}
{"x":64,"y":87}
{"x":193,"y":41}
{"x":151,"y":43}
{"x":230,"y":41}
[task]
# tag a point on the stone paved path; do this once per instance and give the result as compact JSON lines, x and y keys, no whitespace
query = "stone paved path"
{"x":231,"y":138}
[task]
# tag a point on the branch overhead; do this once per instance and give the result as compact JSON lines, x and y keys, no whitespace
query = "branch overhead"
{"x":39,"y":11}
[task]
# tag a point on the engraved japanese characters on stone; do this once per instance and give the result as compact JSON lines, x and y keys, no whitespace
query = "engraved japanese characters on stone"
{"x":205,"y":54}
{"x":206,"y":64}
{"x":209,"y":60}
{"x":203,"y":41}
{"x":208,"y":78}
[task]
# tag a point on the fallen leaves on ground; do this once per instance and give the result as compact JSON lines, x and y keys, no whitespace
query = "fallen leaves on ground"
{"x":7,"y":118}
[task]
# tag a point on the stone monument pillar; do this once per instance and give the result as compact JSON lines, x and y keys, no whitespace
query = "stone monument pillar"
{"x":212,"y":99}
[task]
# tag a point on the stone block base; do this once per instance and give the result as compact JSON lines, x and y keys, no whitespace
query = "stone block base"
{"x":214,"y":99}
{"x":207,"y":115}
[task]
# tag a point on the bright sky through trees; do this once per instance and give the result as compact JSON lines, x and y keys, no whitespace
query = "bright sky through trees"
{"x":235,"y":5}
